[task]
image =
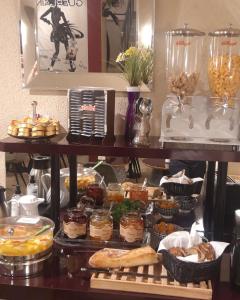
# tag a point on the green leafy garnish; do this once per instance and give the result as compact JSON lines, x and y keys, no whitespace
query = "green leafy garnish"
{"x":124,"y":207}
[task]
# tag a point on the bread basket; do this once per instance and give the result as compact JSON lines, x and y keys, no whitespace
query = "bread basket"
{"x":178,"y":189}
{"x":185,"y":272}
{"x":194,"y":267}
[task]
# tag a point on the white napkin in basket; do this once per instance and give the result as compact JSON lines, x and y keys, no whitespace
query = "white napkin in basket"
{"x":178,"y":178}
{"x":185,"y":239}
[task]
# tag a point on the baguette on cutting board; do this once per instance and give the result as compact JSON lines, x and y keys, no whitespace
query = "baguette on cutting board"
{"x":116,"y":258}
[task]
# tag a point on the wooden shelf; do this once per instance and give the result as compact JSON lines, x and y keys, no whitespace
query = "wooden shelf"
{"x":119,"y":148}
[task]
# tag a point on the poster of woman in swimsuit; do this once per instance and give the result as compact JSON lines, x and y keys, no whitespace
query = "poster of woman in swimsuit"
{"x":62,"y":35}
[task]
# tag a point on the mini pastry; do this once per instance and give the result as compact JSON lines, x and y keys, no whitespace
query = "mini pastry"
{"x":14,"y":122}
{"x":50,"y":128}
{"x":38,"y":133}
{"x":28,"y":120}
{"x":13,"y":132}
{"x":25,"y":134}
{"x":25,"y":130}
{"x":50,"y":133}
{"x":38,"y":128}
{"x":43,"y":120}
{"x":12,"y":127}
{"x":25,"y":125}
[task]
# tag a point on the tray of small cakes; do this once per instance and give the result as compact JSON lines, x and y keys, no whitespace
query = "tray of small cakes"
{"x":37,"y":128}
{"x":34,"y":127}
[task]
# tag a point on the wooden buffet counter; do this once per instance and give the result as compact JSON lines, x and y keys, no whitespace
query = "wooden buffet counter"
{"x":57,"y":282}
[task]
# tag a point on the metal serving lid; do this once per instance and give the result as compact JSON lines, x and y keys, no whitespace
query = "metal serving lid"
{"x":185,"y":31}
{"x":228,"y":32}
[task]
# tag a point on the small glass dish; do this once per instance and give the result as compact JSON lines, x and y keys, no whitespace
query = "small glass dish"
{"x":138,"y":194}
{"x":186,"y":204}
{"x":168,"y":208}
{"x":161,"y":230}
{"x":115,"y":193}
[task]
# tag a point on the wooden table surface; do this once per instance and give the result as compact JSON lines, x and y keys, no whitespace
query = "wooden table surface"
{"x":61,"y":280}
{"x":118,"y":147}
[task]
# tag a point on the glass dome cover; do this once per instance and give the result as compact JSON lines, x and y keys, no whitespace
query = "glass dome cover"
{"x":85,"y":177}
{"x":24,"y":236}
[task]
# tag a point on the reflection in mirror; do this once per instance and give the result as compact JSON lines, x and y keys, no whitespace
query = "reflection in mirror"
{"x":60,"y":38}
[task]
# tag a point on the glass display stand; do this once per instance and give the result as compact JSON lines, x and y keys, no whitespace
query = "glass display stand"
{"x":200,"y":120}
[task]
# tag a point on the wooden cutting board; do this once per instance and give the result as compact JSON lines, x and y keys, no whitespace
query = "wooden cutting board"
{"x":139,"y":284}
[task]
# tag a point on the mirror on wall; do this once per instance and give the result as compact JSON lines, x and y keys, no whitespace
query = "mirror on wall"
{"x":72,"y":43}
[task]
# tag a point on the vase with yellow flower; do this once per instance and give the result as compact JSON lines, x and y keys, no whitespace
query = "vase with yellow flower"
{"x":136,"y":70}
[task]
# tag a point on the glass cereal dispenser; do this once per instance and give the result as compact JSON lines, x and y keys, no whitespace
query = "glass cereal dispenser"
{"x":184,"y":48}
{"x":184,"y":51}
{"x":224,"y":64}
{"x":224,"y":83}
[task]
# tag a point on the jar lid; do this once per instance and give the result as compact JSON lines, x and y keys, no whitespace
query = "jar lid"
{"x":185,"y":31}
{"x":228,"y":32}
{"x":132,"y":214}
{"x":100,"y":213}
{"x":41,"y":162}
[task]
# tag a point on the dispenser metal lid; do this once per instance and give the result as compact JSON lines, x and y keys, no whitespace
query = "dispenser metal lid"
{"x":228,"y":32}
{"x":185,"y":31}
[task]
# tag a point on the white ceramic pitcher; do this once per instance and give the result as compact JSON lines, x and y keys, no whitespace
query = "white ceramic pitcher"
{"x":64,"y":193}
{"x":26,"y":205}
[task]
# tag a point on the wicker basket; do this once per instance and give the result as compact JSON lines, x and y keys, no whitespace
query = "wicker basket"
{"x":185,"y":272}
{"x":156,"y":236}
{"x":178,"y":189}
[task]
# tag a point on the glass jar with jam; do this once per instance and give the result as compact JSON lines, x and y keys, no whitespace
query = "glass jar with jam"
{"x":131,"y":227}
{"x":96,"y":192}
{"x":101,"y":226}
{"x":75,"y":223}
{"x":115,"y":192}
{"x":139,"y":194}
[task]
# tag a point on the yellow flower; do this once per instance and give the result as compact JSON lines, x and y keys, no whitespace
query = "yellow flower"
{"x":131,"y":51}
{"x":136,"y":65}
{"x":121,"y":57}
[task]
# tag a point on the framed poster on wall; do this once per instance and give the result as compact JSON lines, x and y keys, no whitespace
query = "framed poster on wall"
{"x":62,"y":35}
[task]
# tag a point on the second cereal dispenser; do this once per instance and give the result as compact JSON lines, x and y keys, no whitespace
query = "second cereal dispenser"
{"x":183,"y":60}
{"x":224,"y":82}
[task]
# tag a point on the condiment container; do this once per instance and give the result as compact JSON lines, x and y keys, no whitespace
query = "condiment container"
{"x":138,"y":194}
{"x":131,"y":227}
{"x":115,"y":192}
{"x":101,"y":225}
{"x":25,"y":244}
{"x":75,"y":223}
{"x":86,"y":177}
{"x":96,"y":192}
